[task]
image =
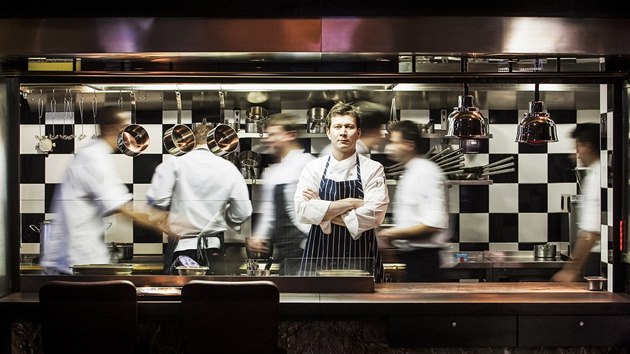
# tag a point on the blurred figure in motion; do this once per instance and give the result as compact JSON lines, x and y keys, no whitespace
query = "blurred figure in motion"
{"x":373,"y":115}
{"x":91,"y":190}
{"x":278,"y":230}
{"x":420,"y":207}
{"x":586,"y":255}
{"x":198,"y":194}
{"x":344,"y":197}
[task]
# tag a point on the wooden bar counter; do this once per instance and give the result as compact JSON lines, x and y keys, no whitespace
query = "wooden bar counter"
{"x":408,"y":315}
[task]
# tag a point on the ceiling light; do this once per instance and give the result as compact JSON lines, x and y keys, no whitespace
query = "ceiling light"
{"x":466,"y":121}
{"x":536,"y":127}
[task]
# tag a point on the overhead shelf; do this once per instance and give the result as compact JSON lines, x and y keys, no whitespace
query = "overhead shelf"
{"x":393,"y":182}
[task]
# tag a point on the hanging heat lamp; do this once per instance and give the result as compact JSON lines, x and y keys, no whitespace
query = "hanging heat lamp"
{"x":536,"y":127}
{"x":466,"y":121}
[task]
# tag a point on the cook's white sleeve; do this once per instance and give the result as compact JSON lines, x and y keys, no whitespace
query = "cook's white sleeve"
{"x":264,"y":224}
{"x":105,"y":185}
{"x":309,"y":211}
{"x":162,"y":185}
{"x":375,"y":201}
{"x":240,"y":208}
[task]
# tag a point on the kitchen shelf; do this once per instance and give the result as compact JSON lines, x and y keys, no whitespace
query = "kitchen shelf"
{"x":301,"y":134}
{"x":452,"y":182}
{"x":441,"y":134}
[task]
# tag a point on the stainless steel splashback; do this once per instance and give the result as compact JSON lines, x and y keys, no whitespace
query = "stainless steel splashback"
{"x":453,"y":35}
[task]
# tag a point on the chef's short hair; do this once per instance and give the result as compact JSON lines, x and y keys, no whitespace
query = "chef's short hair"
{"x":288,"y":122}
{"x":588,"y":133}
{"x":344,"y":109}
{"x":109,"y":115}
{"x":201,"y":133}
{"x":409,"y":131}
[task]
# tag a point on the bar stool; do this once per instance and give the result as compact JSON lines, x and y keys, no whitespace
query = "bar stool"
{"x":230,"y":317}
{"x":89,"y":317}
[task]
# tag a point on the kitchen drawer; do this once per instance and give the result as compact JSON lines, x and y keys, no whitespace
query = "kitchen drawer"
{"x":559,"y":331}
{"x":452,"y":331}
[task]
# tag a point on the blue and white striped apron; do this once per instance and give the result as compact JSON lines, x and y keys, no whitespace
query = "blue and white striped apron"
{"x":338,"y":250}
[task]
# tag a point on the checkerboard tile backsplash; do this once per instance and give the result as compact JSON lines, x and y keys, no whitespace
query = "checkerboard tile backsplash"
{"x":520,"y":209}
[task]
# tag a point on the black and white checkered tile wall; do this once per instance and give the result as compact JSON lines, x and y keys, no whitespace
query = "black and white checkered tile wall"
{"x":518,"y":210}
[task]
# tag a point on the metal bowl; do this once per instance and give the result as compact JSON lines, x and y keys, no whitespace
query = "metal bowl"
{"x":595,"y":282}
{"x":192,"y":270}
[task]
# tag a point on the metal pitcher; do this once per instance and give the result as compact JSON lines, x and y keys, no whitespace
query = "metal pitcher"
{"x":44,"y":231}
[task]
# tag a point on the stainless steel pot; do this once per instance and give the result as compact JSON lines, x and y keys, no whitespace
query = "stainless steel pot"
{"x":250,"y":162}
{"x":256,"y":120}
{"x":121,"y":251}
{"x":134,"y":139}
{"x":316,"y":123}
{"x":179,"y":139}
{"x":222,"y":140}
{"x":545,"y":251}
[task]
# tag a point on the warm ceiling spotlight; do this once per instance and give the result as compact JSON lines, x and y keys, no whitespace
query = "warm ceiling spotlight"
{"x":536,"y":127}
{"x":466,"y":121}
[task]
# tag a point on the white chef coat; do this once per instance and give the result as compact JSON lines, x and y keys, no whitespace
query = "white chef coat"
{"x":202,"y":193}
{"x":589,"y":212}
{"x":362,"y":149}
{"x":91,"y":190}
{"x":285,"y":172}
{"x":376,"y":198}
{"x":421,"y":198}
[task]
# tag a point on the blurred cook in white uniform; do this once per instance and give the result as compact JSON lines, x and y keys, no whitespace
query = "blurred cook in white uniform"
{"x":420,"y":207}
{"x":90,"y":191}
{"x":278,"y":229}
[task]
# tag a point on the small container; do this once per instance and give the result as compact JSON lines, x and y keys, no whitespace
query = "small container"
{"x":192,"y":270}
{"x":461,"y":257}
{"x":263,"y":272}
{"x":595,"y":283}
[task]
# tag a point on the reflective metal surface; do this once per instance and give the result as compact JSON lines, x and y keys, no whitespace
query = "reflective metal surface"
{"x":175,"y":37}
{"x":466,"y":121}
{"x":536,"y":127}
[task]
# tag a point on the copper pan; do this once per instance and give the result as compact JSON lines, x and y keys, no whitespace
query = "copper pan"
{"x":133,"y":139}
{"x":222,"y":140}
{"x":179,"y":139}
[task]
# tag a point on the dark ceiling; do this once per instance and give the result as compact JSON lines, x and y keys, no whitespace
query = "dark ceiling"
{"x":314,"y":8}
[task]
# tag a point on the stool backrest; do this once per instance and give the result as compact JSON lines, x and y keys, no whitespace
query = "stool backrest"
{"x":89,"y":317}
{"x":230,"y":317}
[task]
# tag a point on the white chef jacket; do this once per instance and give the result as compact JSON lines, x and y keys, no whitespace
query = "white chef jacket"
{"x":589,"y":212}
{"x":91,"y":190}
{"x":376,"y":198}
{"x":421,"y":198}
{"x":201,"y":191}
{"x":285,"y":172}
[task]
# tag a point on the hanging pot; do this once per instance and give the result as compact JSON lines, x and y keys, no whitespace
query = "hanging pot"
{"x":222,"y":140}
{"x":250,"y":162}
{"x":316,"y":123}
{"x":179,"y":139}
{"x":134,"y":139}
{"x":256,"y":119}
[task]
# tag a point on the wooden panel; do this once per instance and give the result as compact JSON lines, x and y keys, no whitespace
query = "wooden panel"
{"x":560,"y":331}
{"x":452,"y":331}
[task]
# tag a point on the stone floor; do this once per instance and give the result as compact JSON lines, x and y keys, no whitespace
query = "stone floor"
{"x":365,"y":337}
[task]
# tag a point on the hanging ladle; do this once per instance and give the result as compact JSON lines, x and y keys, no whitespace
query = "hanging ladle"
{"x":134,"y":139}
{"x":44,"y":145}
{"x":179,"y":139}
{"x":53,"y":113}
{"x":94,"y":113}
{"x":82,"y":135}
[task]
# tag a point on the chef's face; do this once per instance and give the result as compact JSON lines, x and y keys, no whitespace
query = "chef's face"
{"x":399,"y":149}
{"x":343,"y":133}
{"x":277,"y":138}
